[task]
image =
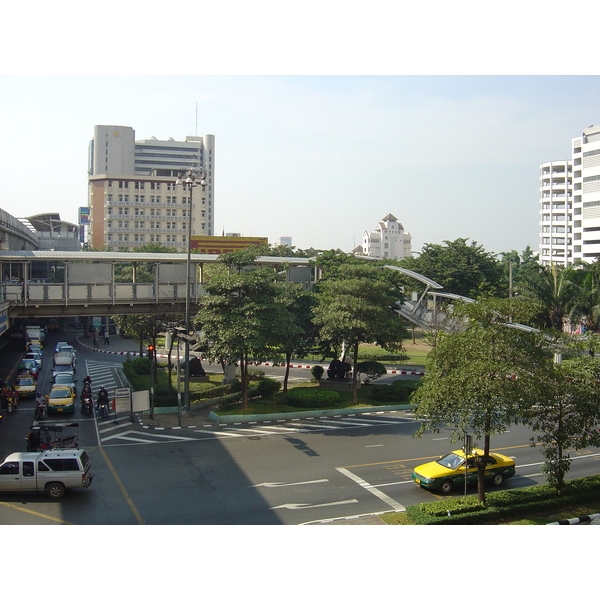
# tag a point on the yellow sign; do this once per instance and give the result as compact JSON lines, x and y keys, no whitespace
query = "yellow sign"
{"x":213,"y":244}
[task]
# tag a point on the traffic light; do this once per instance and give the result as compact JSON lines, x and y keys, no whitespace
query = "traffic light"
{"x":151,"y":351}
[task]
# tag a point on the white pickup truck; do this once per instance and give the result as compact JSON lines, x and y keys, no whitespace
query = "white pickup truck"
{"x":51,"y":472}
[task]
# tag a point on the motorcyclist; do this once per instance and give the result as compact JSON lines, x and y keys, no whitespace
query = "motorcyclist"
{"x":102,"y":400}
{"x":40,"y":407}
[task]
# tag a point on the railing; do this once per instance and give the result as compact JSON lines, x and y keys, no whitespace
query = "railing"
{"x":96,"y":293}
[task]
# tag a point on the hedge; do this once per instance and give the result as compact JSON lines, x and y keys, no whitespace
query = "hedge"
{"x":503,"y":504}
{"x":311,"y":397}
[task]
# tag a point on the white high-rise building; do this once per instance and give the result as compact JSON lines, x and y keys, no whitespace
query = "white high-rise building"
{"x":555,"y":235}
{"x":586,"y":195}
{"x":133,"y":197}
{"x":389,"y":240}
{"x":570,"y":203}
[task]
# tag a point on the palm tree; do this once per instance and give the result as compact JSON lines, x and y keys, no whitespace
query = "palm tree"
{"x":554,"y":289}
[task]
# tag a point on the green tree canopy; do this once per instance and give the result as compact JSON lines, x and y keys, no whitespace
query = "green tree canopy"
{"x":461,"y":267}
{"x":477,"y":380}
{"x":358,"y":306}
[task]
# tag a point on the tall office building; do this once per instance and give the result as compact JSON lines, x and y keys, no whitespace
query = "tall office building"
{"x":133,"y":196}
{"x":570,"y":203}
{"x":555,"y":229}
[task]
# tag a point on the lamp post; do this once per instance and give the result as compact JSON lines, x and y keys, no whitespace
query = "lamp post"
{"x":190,"y":182}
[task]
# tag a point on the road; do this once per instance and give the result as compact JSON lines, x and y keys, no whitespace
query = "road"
{"x":290,"y":472}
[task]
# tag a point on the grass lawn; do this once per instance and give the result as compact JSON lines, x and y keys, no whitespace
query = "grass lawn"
{"x":254,"y":408}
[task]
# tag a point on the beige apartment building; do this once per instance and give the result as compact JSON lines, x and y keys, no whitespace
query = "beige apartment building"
{"x":134,"y":197}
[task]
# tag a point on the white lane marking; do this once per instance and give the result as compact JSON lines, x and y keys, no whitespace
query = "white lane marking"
{"x":395,"y":505}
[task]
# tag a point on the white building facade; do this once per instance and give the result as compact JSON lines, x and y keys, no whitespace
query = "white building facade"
{"x":133,"y":197}
{"x":555,"y":205}
{"x":570,"y":204}
{"x":586,"y":195}
{"x":389,"y":240}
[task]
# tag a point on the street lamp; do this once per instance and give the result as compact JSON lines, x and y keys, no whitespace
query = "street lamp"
{"x":190,"y":182}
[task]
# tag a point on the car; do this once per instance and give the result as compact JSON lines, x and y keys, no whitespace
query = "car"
{"x":34,"y":355}
{"x":26,"y":387}
{"x":448,"y":472}
{"x":60,"y":345}
{"x":33,"y":346}
{"x":66,"y":378}
{"x":60,"y":400}
{"x":53,"y":325}
{"x":29,"y":365}
{"x":62,"y":369}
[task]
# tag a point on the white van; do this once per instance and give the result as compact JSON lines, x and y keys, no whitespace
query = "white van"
{"x":64,"y":358}
{"x":51,"y":471}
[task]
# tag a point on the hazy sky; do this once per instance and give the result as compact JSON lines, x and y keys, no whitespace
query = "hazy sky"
{"x":322,"y":157}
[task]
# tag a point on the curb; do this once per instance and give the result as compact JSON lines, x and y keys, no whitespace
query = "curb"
{"x":576,"y":520}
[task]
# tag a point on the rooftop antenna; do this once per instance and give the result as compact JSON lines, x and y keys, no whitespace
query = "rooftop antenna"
{"x":196,"y":119}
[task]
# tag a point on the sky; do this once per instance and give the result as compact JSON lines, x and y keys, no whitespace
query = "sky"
{"x":318,"y":158}
{"x":320,"y":132}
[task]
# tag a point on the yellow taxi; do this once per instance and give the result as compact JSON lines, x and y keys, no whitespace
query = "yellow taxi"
{"x":60,"y":400}
{"x":449,"y":471}
{"x":26,"y":387}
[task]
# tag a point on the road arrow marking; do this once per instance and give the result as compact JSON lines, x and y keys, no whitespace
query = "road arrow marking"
{"x":303,"y":506}
{"x":280,"y":484}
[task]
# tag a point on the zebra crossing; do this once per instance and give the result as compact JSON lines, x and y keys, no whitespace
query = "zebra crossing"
{"x":120,"y":430}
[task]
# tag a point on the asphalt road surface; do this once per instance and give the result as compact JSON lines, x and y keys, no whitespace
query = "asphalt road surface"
{"x":313,"y":471}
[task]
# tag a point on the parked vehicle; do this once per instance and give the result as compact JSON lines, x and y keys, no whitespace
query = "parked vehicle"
{"x":51,"y":472}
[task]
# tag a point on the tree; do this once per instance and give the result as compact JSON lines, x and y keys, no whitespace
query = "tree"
{"x":477,"y":379}
{"x":460,"y":267}
{"x":358,"y":306}
{"x":241,"y":315}
{"x":567,"y":417}
{"x":295,"y":334}
{"x":552,"y":287}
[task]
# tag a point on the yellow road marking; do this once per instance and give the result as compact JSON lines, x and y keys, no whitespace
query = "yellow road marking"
{"x":33,"y":512}
{"x":128,"y":499}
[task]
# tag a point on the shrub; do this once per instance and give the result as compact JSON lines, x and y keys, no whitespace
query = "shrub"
{"x":311,"y":397}
{"x":267,"y":388}
{"x":255,"y":374}
{"x":317,"y":372}
{"x":398,"y":392}
{"x":371,"y":369}
{"x":141,"y":365}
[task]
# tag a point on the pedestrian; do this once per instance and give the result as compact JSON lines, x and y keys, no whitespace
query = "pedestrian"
{"x":106,"y":338}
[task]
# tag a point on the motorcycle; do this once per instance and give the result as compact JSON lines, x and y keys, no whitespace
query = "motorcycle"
{"x":86,"y":405}
{"x":40,"y":412}
{"x":103,"y":411}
